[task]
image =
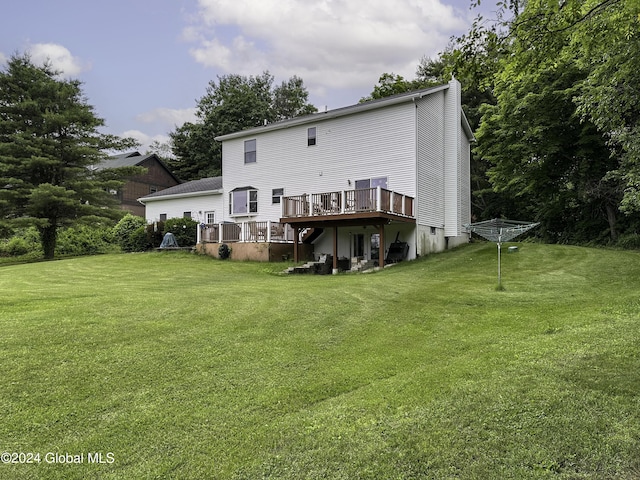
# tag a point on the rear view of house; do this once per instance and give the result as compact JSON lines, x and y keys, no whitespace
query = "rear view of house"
{"x":380,"y":181}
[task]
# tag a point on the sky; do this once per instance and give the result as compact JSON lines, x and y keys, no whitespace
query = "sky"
{"x":144,"y":64}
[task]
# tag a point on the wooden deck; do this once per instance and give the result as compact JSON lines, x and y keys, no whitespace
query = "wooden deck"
{"x":369,"y":206}
{"x":363,"y":204}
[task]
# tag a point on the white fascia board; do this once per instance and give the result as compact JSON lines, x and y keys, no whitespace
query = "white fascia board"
{"x":144,"y":200}
{"x":467,"y":128}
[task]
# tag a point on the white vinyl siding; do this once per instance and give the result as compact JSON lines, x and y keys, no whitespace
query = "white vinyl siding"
{"x":430,"y":167}
{"x":465,"y":181}
{"x":175,"y":207}
{"x":452,"y":163}
{"x":378,"y":143}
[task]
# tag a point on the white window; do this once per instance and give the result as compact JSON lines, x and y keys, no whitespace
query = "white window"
{"x":163,"y":217}
{"x":186,"y":215}
{"x":311,"y":136}
{"x":243,"y":201}
{"x":372,"y":183}
{"x":210,"y":217}
{"x":276,"y":195}
{"x":250,"y":151}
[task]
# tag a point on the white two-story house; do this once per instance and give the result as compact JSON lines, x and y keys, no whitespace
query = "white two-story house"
{"x":383,"y":180}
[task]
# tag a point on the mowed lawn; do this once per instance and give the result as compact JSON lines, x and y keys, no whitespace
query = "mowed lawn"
{"x":182,"y":366}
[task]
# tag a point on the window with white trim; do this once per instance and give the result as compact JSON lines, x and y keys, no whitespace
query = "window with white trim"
{"x":311,"y":136}
{"x":372,"y":183}
{"x":250,"y":151}
{"x":243,"y":202}
{"x":210,"y":217}
{"x":276,"y":195}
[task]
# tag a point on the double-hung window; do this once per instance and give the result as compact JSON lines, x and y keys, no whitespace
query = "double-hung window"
{"x":243,"y":201}
{"x":250,"y":151}
{"x":276,"y":195}
{"x":311,"y":136}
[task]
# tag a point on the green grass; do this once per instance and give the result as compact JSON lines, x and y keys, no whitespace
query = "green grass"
{"x":188,"y":367}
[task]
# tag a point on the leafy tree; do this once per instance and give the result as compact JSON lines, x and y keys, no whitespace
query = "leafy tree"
{"x":576,"y":180}
{"x":606,"y":39}
{"x":49,"y":140}
{"x":291,"y":99}
{"x":474,"y":66}
{"x":552,"y":164}
{"x":232,"y":104}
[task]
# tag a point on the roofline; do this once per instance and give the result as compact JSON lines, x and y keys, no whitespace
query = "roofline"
{"x":339,"y":112}
{"x":144,"y":157}
{"x":144,"y":200}
{"x":467,"y":128}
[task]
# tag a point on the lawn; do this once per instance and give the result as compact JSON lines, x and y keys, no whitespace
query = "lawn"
{"x":182,"y":366}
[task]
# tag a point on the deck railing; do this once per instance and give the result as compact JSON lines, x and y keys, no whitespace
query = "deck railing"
{"x":245,"y":232}
{"x":347,"y":202}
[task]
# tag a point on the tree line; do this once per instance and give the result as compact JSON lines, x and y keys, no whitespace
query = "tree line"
{"x":550,"y":88}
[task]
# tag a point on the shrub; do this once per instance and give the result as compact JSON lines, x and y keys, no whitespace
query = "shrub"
{"x":124,"y":230}
{"x":224,"y":251}
{"x":17,"y":246}
{"x":155,"y":234}
{"x":184,"y":229}
{"x":85,"y":240}
{"x":139,"y":240}
{"x":23,"y":242}
{"x":629,"y":241}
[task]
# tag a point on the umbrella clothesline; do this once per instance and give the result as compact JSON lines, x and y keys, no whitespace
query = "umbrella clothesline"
{"x":499,"y":230}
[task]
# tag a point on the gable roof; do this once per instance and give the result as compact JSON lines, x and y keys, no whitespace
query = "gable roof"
{"x":132,"y":159}
{"x":340,"y":112}
{"x":211,"y":185}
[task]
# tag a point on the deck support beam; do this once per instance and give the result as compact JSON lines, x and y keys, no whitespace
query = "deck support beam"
{"x":381,"y":248}
{"x":335,"y":250}
{"x":296,"y":235}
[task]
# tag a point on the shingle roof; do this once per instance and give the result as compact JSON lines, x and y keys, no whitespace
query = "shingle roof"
{"x":131,"y":159}
{"x":210,"y":184}
{"x":339,"y":112}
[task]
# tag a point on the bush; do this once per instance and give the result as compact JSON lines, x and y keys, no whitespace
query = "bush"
{"x":124,"y":230}
{"x":155,"y":234}
{"x":139,"y":240}
{"x":23,"y":242}
{"x":16,"y":246}
{"x":629,"y":241}
{"x":184,"y":229}
{"x":224,"y":251}
{"x":85,"y":240}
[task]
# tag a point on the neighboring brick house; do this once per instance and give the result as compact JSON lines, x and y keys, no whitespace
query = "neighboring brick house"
{"x":157,"y":177}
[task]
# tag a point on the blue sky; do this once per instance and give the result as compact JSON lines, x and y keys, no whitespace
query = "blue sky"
{"x":145,"y":63}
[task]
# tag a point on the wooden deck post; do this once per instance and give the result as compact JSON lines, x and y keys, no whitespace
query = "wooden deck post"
{"x":335,"y":250}
{"x":296,"y":233}
{"x":381,"y":249}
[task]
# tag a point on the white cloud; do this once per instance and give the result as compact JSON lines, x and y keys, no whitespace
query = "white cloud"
{"x":168,"y":116}
{"x":144,"y":139}
{"x":59,"y":57}
{"x":3,"y":58}
{"x":329,"y":43}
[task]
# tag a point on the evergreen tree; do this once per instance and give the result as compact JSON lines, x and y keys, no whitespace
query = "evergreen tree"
{"x":49,"y":141}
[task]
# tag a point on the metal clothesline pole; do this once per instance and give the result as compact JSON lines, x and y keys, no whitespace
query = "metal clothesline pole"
{"x":499,"y":230}
{"x":499,"y":259}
